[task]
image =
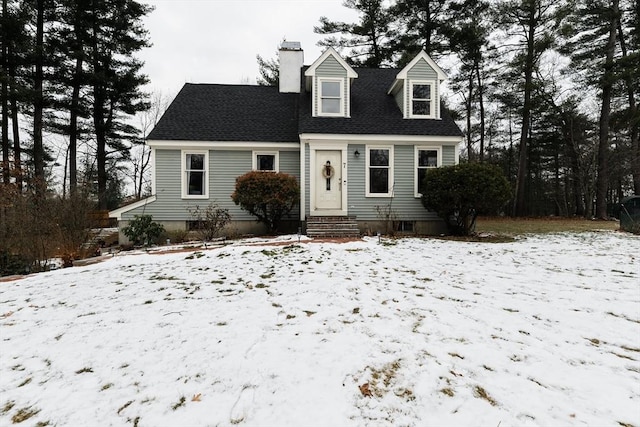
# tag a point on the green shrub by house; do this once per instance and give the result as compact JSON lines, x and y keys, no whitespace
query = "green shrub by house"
{"x":142,"y":230}
{"x":459,"y":193}
{"x":266,"y":195}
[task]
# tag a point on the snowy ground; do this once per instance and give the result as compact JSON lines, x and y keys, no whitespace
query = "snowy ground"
{"x":415,"y":332}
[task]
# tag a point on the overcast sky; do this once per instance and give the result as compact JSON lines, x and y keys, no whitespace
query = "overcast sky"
{"x":216,"y":41}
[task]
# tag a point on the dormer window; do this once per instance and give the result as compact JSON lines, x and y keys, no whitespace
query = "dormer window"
{"x":329,"y":80}
{"x":416,"y":88}
{"x":422,"y":99}
{"x":330,"y":97}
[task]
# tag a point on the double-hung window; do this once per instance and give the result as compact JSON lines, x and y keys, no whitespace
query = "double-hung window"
{"x":379,"y":177}
{"x":331,"y":102}
{"x":426,"y":158}
{"x":194,"y":174}
{"x":422,"y":98}
{"x":266,"y":161}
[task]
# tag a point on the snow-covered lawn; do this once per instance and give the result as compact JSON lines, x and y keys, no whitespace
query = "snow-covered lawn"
{"x":415,"y":332}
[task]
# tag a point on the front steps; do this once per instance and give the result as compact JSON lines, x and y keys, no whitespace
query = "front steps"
{"x":332,"y":226}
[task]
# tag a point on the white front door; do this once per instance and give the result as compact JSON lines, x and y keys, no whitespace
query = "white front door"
{"x":328,"y":179}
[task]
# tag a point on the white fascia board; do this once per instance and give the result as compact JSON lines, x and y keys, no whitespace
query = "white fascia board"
{"x":395,"y":139}
{"x":311,"y":71}
{"x":117,"y":213}
{"x":223,"y":145}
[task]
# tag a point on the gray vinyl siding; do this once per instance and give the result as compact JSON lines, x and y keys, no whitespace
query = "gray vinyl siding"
{"x":448,"y":155}
{"x":399,"y":97}
{"x":330,"y":67}
{"x":404,"y":203}
{"x":422,"y":71}
{"x":224,"y":167}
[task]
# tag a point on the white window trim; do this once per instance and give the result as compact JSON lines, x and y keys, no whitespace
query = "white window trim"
{"x":342,"y":94}
{"x":183,"y":174}
{"x":276,"y":162}
{"x":415,"y":165}
{"x":432,"y":100}
{"x":391,"y":174}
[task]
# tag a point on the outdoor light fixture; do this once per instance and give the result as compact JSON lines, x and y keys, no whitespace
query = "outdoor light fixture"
{"x":356,"y":153}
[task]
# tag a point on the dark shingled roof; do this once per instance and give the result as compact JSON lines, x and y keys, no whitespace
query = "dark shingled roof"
{"x":374,"y":112}
{"x":211,"y":112}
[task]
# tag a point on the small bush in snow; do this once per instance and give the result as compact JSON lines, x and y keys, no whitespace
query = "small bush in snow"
{"x":267,"y":196}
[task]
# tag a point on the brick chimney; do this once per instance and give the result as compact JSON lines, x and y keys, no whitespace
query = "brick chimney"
{"x":291,"y":60}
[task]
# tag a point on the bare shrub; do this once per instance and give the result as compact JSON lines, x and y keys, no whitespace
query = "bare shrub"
{"x":210,"y":220}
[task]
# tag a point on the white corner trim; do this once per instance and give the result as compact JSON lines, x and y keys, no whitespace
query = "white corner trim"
{"x":117,"y":213}
{"x":303,"y":181}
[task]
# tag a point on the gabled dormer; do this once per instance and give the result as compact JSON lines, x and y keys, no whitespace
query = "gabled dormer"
{"x":329,"y":81}
{"x":416,"y":88}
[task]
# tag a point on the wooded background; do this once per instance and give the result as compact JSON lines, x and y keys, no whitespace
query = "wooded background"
{"x":546,"y":89}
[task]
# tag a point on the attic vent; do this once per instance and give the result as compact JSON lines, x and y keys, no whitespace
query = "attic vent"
{"x":290,"y":46}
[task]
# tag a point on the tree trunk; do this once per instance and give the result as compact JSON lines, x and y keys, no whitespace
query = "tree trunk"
{"x":38,"y":102}
{"x":73,"y":127}
{"x":633,"y":114}
{"x":6,"y":176}
{"x":520,"y":207}
{"x":602,"y":179}
{"x":481,"y":103}
{"x":99,"y":99}
{"x":17,"y":150}
{"x":574,"y":163}
{"x":468,"y":107}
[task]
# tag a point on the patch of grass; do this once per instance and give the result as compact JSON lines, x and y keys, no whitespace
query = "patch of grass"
{"x":449,"y":392}
{"x":482,"y":394}
{"x":161,"y":277}
{"x":24,"y":414}
{"x":180,"y":403}
{"x":125,"y":406}
{"x":267,"y":252}
{"x":519,"y":226}
{"x":7,"y":407}
{"x":106,"y":386}
{"x":382,"y":378}
{"x":195,"y":255}
{"x":148,"y":301}
{"x":25,"y":382}
{"x":84,"y":371}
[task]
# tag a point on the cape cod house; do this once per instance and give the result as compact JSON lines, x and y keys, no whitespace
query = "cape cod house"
{"x":358,"y":140}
